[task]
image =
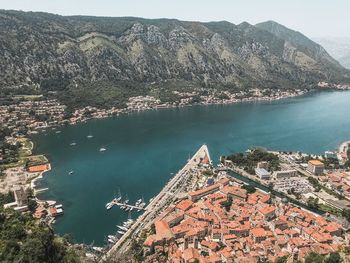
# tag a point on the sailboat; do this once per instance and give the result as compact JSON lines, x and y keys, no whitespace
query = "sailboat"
{"x":119,"y":196}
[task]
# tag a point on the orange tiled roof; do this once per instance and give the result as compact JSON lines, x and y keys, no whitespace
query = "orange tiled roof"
{"x":38,"y":168}
{"x":258,"y":232}
{"x":184,"y":204}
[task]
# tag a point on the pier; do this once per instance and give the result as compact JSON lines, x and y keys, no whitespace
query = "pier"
{"x":161,"y":201}
{"x":114,"y":202}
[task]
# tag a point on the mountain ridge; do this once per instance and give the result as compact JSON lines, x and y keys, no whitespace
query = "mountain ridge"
{"x":57,"y":53}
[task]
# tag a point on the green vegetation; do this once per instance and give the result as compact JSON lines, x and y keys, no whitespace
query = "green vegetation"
{"x":312,"y":203}
{"x":100,"y":61}
{"x":24,"y":239}
{"x":227,"y":204}
{"x":250,"y":160}
{"x":314,"y":257}
{"x":281,"y":259}
{"x":249,"y":188}
{"x":331,"y":163}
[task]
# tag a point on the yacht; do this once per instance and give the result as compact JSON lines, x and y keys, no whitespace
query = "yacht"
{"x":121,"y":232}
{"x":73,"y":144}
{"x":122,"y":228}
{"x":71,"y":172}
{"x":102,"y":149}
{"x":109,"y":206}
{"x":89,"y":136}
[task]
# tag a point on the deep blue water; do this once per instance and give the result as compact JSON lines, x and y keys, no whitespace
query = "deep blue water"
{"x":143,"y":149}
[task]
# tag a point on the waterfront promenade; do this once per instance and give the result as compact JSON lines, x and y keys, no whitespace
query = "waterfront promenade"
{"x":167,"y":195}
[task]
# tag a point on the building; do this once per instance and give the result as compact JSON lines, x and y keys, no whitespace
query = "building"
{"x":21,"y":200}
{"x":262,"y":173}
{"x":316,"y":167}
{"x":285,"y":174}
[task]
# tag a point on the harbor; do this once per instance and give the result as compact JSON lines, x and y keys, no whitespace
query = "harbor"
{"x":174,"y":187}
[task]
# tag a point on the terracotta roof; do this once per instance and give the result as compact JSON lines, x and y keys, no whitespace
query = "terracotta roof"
{"x":38,"y":168}
{"x":184,"y":204}
{"x":258,"y":232}
{"x":163,"y":230}
{"x":316,"y":162}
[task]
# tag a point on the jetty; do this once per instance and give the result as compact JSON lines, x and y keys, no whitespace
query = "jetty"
{"x":159,"y":203}
{"x":114,"y":202}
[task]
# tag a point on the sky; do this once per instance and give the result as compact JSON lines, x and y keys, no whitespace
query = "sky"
{"x":314,"y":18}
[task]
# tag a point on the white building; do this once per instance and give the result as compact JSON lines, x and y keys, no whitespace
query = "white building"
{"x":285,"y":174}
{"x":262,"y":173}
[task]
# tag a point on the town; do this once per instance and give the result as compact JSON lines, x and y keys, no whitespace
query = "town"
{"x":219,"y":218}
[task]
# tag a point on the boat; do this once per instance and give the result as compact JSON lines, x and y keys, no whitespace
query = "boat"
{"x":102,"y":149}
{"x":73,"y":144}
{"x":98,"y":249}
{"x":111,"y":236}
{"x":126,"y":200}
{"x":111,"y":240}
{"x":109,"y":205}
{"x":89,"y":136}
{"x":119,"y":198}
{"x":122,"y":228}
{"x":58,"y":131}
{"x":71,"y":172}
{"x":121,"y":232}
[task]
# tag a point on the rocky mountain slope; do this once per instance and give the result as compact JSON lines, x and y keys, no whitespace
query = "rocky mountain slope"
{"x":58,"y":53}
{"x":337,"y":47}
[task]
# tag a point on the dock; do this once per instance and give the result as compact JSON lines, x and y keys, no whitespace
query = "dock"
{"x":127,"y":205}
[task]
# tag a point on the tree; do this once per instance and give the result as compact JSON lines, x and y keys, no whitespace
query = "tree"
{"x":249,"y":188}
{"x":281,"y":259}
{"x":314,"y":258}
{"x":334,"y":257}
{"x":32,"y":205}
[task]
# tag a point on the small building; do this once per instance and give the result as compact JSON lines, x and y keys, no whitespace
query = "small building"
{"x":262,"y":173}
{"x":316,"y":167}
{"x":285,"y":174}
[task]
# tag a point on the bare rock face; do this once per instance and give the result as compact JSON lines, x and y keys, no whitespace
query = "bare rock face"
{"x":36,"y":47}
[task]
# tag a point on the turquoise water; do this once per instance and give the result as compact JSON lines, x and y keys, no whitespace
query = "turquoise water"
{"x":143,"y":149}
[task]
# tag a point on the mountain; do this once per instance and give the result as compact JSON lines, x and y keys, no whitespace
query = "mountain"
{"x":82,"y":58}
{"x":338,"y":47}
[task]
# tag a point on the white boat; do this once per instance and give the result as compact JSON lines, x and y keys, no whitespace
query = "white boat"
{"x":109,"y":206}
{"x":111,"y":236}
{"x":102,"y":149}
{"x":131,"y":208}
{"x":122,"y":228}
{"x":89,"y":136}
{"x":98,"y":249}
{"x":58,"y":131}
{"x":111,"y":240}
{"x":121,"y":232}
{"x":71,"y":172}
{"x":73,"y":144}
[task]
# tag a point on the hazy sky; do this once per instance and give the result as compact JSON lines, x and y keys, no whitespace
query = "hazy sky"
{"x":311,"y":17}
